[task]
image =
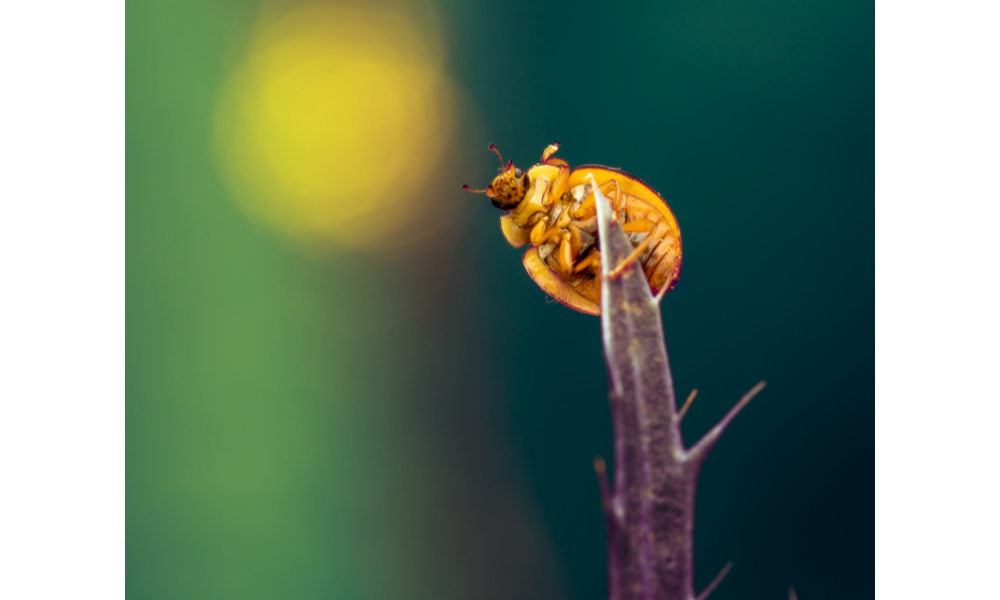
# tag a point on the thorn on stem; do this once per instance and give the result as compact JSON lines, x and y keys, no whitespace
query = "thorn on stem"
{"x":701,"y":449}
{"x":601,"y":469}
{"x":715,"y":582}
{"x":687,"y":404}
{"x":660,"y":294}
{"x":755,"y":390}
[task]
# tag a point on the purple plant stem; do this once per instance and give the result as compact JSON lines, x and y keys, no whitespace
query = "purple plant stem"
{"x":649,"y":513}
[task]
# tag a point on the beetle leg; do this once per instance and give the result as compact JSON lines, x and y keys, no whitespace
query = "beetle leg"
{"x":550,"y":227}
{"x":638,"y":226}
{"x":594,"y":258}
{"x":565,"y":256}
{"x":657,"y":248}
{"x":582,"y":241}
{"x":538,"y":233}
{"x":631,"y":258}
{"x":589,"y":225}
{"x":549,"y":151}
{"x":660,"y":259}
{"x":667,"y":263}
{"x":606,"y":188}
{"x":559,"y":183}
{"x":618,"y":202}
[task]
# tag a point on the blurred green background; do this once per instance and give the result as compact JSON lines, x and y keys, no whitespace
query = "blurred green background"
{"x":342,"y":384}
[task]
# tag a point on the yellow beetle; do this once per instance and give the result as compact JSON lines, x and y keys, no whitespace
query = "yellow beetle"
{"x":553,"y":208}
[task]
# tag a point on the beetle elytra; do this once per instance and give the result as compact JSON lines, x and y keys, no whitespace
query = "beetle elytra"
{"x":552,"y":208}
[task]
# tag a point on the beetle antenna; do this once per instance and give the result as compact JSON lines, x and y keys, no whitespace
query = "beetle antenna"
{"x":488,"y":191}
{"x":494,"y":148}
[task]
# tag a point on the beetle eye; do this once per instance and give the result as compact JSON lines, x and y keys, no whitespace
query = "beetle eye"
{"x":517,"y":172}
{"x":496,"y":202}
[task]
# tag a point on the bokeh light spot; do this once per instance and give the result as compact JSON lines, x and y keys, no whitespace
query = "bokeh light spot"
{"x":333,"y":123}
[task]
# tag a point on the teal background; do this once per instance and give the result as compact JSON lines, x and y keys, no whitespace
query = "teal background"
{"x":423,"y":425}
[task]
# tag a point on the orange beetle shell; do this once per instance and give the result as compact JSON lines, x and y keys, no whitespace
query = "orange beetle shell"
{"x":638,"y":203}
{"x":556,"y":216}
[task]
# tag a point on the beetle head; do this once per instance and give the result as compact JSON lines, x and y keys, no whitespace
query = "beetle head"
{"x":508,"y":188}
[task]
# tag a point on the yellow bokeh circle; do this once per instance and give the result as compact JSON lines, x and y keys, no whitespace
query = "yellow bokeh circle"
{"x":334,"y":122}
